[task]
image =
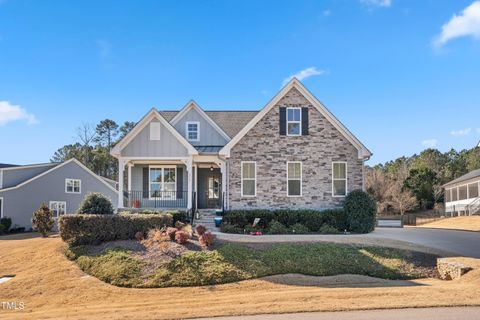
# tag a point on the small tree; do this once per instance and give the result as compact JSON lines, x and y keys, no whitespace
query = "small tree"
{"x":95,"y":203}
{"x":360,"y":210}
{"x":42,"y":220}
{"x":401,"y":199}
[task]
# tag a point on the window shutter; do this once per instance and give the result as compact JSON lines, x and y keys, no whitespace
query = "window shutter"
{"x":305,"y":121}
{"x":283,"y":121}
{"x":145,"y":182}
{"x":179,"y":183}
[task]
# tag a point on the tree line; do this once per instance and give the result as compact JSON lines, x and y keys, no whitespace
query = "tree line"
{"x":410,"y":183}
{"x":93,"y":144}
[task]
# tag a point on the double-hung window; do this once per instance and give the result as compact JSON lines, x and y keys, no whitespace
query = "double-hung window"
{"x":163,"y":182}
{"x":73,"y":186}
{"x":249,"y":179}
{"x":58,"y":208}
{"x":294,"y":179}
{"x":192,"y":130}
{"x":339,"y":181}
{"x":294,"y":121}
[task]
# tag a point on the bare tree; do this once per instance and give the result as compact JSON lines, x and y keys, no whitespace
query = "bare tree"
{"x":402,"y":200}
{"x":378,"y":184}
{"x":86,"y":134}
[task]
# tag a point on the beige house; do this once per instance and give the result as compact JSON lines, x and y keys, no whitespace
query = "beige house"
{"x":292,"y":153}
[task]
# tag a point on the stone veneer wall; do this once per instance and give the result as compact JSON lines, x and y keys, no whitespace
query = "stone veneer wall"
{"x":271,"y":151}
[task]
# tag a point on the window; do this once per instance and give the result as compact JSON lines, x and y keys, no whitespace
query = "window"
{"x":339,"y":181}
{"x":294,"y":179}
{"x":154,"y":130}
{"x":1,"y":207}
{"x":59,"y":208}
{"x":73,"y":185}
{"x":294,"y":121}
{"x":192,"y":131}
{"x":454,"y":194}
{"x":249,"y":179}
{"x":473,"y":190}
{"x":163,"y":182}
{"x":448,"y":197}
{"x":462,"y":193}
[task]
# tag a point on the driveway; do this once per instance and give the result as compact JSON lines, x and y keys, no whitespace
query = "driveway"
{"x":464,"y":313}
{"x":463,"y":243}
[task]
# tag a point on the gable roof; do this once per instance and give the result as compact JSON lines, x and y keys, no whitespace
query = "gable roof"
{"x":471,"y":175}
{"x":363,"y":152}
{"x":193,"y":105}
{"x":9,"y":167}
{"x":151,"y":115}
{"x":6,"y":165}
{"x":231,"y":122}
{"x":58,"y":166}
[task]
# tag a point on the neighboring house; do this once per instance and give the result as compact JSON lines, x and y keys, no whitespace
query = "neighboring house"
{"x":62,"y":186}
{"x":462,"y":194}
{"x":293,"y":153}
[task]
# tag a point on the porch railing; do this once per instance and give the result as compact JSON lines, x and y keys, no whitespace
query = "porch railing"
{"x":157,"y":199}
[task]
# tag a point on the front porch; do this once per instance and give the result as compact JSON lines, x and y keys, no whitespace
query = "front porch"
{"x":187,"y":183}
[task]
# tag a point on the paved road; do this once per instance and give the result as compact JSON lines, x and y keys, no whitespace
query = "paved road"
{"x":463,"y":313}
{"x":463,"y":243}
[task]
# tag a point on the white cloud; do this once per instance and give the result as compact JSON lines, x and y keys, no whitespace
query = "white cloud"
{"x":10,"y":113}
{"x":377,"y":3}
{"x":104,"y":48}
{"x":326,"y":13}
{"x":304,"y":74}
{"x":465,"y":24}
{"x":461,"y":132}
{"x":430,"y":143}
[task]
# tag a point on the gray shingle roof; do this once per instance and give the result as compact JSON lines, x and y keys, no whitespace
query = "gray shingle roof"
{"x":471,"y":175}
{"x":230,"y":121}
{"x":6,"y":165}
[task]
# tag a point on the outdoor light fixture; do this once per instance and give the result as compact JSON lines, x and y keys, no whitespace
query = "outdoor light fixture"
{"x":211,"y":167}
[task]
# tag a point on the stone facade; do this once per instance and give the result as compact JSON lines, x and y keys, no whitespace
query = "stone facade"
{"x":271,"y":151}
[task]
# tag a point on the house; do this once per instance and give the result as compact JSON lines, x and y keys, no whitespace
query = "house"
{"x":62,"y":186}
{"x":462,"y":194}
{"x":293,"y":153}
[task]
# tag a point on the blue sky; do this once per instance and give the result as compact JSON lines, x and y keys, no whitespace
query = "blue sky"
{"x":401,"y":75}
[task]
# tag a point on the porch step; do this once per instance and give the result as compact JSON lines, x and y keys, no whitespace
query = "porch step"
{"x":206,"y":219}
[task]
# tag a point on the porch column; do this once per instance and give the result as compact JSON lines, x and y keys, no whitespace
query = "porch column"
{"x":129,"y":183}
{"x":189,"y":182}
{"x":121,"y":168}
{"x":223,"y":170}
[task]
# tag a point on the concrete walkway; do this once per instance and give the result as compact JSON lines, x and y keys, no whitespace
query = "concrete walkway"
{"x":464,"y":313}
{"x":437,"y":241}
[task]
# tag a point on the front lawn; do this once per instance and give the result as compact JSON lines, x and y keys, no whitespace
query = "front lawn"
{"x":131,"y":266}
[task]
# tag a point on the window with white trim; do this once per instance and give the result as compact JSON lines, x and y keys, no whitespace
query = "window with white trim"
{"x":163,"y":182}
{"x":192,"y":130}
{"x":58,"y":208}
{"x":294,"y":179}
{"x":154,"y":130}
{"x":249,"y":178}
{"x":339,"y":181}
{"x":294,"y":121}
{"x":73,"y":185}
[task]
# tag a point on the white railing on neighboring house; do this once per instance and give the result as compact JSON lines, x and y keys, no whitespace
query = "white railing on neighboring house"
{"x":463,"y":207}
{"x":474,"y":207}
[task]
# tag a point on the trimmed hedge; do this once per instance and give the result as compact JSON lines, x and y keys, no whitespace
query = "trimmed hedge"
{"x":81,"y":229}
{"x":313,"y":220}
{"x":178,"y":215}
{"x":360,"y":209}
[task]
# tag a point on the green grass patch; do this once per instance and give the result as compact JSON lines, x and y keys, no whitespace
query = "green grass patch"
{"x":235,"y":262}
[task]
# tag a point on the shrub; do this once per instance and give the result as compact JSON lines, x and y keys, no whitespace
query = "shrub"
{"x":206,"y":239}
{"x":181,"y":237}
{"x":200,"y":230}
{"x":155,"y":237}
{"x":42,"y":220}
{"x":335,"y":218}
{"x":179,"y":216}
{"x":171,"y":233}
{"x":95,"y":229}
{"x":95,"y":203}
{"x":230,"y":228}
{"x":276,"y":227}
{"x":298,"y":228}
{"x":139,"y":236}
{"x":328,"y":229}
{"x":179,"y":224}
{"x":360,"y":210}
{"x":6,"y":223}
{"x":2,"y":228}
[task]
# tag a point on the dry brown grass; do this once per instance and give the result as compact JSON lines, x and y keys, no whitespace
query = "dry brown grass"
{"x":459,"y":223}
{"x":53,"y":287}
